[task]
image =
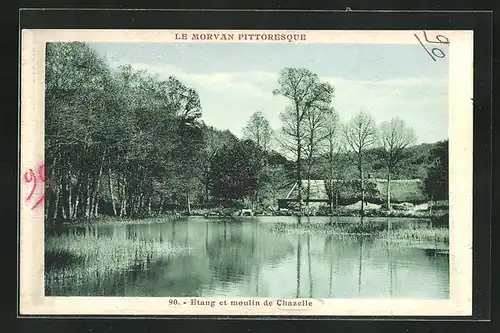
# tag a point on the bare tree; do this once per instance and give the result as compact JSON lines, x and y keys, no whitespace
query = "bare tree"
{"x":360,"y":134}
{"x":259,"y":131}
{"x":305,"y":91}
{"x":332,"y":149}
{"x":316,"y":133}
{"x":395,"y":137}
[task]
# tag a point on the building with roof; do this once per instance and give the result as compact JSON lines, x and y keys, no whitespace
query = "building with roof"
{"x":403,"y":190}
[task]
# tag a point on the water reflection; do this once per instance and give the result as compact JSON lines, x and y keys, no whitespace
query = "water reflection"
{"x":360,"y":264}
{"x":242,"y":258}
{"x":299,"y":248}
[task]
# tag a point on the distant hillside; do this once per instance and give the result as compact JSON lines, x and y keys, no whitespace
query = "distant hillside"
{"x":413,"y":167}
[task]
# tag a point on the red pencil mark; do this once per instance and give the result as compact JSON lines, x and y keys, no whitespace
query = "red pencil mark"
{"x":41,"y":172}
{"x":32,"y":178}
{"x":29,"y":176}
{"x":43,"y":197}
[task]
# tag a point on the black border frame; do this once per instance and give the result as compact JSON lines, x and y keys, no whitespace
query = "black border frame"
{"x":479,"y":21}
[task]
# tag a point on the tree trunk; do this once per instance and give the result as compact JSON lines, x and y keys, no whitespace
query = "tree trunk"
{"x":63,"y":212}
{"x":431,"y":203}
{"x":95,"y":211}
{"x":256,"y":198}
{"x":113,"y":204}
{"x":299,"y":183}
{"x":63,"y":180}
{"x":362,"y":189}
{"x":97,"y":189}
{"x":389,"y":190}
{"x":46,"y":208}
{"x":69,"y":190}
{"x":56,"y":204}
{"x":87,"y":199}
{"x":331,"y":196}
{"x":77,"y":196}
{"x":299,"y":159}
{"x":123,"y":194}
{"x":207,"y":186}
{"x":140,"y":204}
{"x":308,"y":191}
{"x":188,"y":203}
{"x":161,"y":205}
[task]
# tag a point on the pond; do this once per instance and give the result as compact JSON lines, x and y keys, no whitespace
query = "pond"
{"x":242,"y":258}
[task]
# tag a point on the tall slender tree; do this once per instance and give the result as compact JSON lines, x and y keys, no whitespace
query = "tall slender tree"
{"x":258,"y":129}
{"x":305,"y":91}
{"x":360,"y":134}
{"x":332,"y":149}
{"x":316,"y":133}
{"x":260,"y":132}
{"x":395,"y":137}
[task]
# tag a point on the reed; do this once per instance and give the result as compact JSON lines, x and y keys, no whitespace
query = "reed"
{"x":380,"y":231}
{"x":440,"y":235}
{"x":73,"y":260}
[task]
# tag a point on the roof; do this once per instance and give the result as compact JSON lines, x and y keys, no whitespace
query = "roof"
{"x":402,"y":190}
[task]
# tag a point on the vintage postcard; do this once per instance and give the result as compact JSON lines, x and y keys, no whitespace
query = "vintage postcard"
{"x":246,"y":172}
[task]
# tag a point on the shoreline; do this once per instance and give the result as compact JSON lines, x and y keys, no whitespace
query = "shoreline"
{"x":105,"y":220}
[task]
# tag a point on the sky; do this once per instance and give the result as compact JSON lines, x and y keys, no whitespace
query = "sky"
{"x":234,"y":80}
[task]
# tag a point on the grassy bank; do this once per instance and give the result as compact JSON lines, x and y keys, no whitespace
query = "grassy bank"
{"x":379,"y":231}
{"x":74,"y":260}
{"x":105,"y":219}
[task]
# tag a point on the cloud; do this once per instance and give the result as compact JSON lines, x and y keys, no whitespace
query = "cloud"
{"x":421,"y":102}
{"x":249,"y":83}
{"x":229,"y":98}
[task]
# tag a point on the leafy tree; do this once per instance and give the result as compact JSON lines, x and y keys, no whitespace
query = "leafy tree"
{"x":436,"y":183}
{"x":234,"y":171}
{"x":77,"y":84}
{"x":214,"y":142}
{"x":120,"y":136}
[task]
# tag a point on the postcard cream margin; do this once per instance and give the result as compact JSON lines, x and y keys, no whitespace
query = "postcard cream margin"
{"x":31,"y":280}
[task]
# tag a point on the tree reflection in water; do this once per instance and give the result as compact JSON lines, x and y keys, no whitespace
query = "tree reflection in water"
{"x":298,"y":266}
{"x":309,"y":264}
{"x":390,"y":266}
{"x":237,"y":258}
{"x":328,"y":249}
{"x":360,"y":264}
{"x":236,"y":249}
{"x":228,"y":254}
